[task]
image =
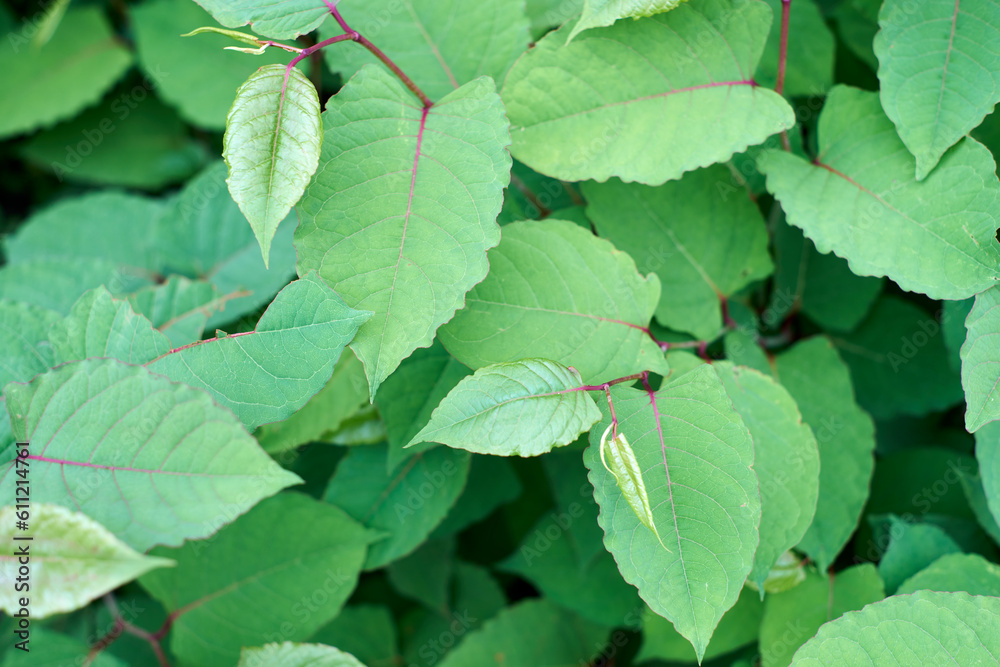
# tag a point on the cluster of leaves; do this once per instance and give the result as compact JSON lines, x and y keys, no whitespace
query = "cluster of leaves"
{"x":456,"y":250}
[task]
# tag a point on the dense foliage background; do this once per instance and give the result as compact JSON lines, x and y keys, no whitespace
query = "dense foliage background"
{"x":508,"y":332}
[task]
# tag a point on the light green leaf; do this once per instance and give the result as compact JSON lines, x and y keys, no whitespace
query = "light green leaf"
{"x":602,"y":13}
{"x":272,"y":144}
{"x":52,"y":649}
{"x":859,"y":200}
{"x":24,"y":330}
{"x":75,"y":560}
{"x":956,"y":572}
{"x":792,"y":617}
{"x":786,"y":459}
{"x":557,"y":637}
{"x":704,"y":241}
{"x":912,"y":547}
{"x":99,"y":326}
{"x":938,"y":71}
{"x":282,"y":20}
{"x":180,"y":307}
{"x":405,"y":505}
{"x":520,"y":408}
{"x":555,"y":291}
{"x":289,"y":654}
{"x":155,"y":462}
{"x":926,"y":628}
{"x":81,"y":61}
{"x":980,"y":355}
{"x":657,"y":87}
{"x":696,"y":458}
{"x":231,"y":589}
{"x":409,"y":243}
{"x":820,"y":383}
{"x":442,"y":43}
{"x":809,"y":64}
{"x":988,"y":456}
{"x":56,"y":283}
{"x":283,"y":363}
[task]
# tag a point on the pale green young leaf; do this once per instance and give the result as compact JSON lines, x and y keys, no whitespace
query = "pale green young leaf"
{"x":154,"y":461}
{"x":956,"y":572}
{"x":180,"y":307}
{"x":602,"y":13}
{"x":703,"y":238}
{"x":290,"y":654}
{"x":76,"y":560}
{"x":938,"y":67}
{"x":276,"y":20}
{"x":519,"y":408}
{"x":555,"y":291}
{"x":409,"y":243}
{"x":980,"y":355}
{"x":272,"y":144}
{"x":281,"y":364}
{"x":860,"y":200}
{"x":927,"y":628}
{"x":658,"y":87}
{"x":691,"y":445}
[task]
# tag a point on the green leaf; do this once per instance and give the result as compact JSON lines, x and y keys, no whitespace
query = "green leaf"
{"x":695,"y":454}
{"x":972,"y":485}
{"x":704,"y":241}
{"x":180,"y":307}
{"x":99,"y":326}
{"x":786,"y":459}
{"x":912,"y":547}
{"x":938,"y":72}
{"x":809,"y":64}
{"x":410,"y":243}
{"x":155,"y":462}
{"x":283,"y":20}
{"x":792,"y":617}
{"x":926,"y":627}
{"x":239,"y":594}
{"x":425,"y":575}
{"x":988,"y":456}
{"x":657,"y":88}
{"x":602,"y":13}
{"x":289,"y":654}
{"x":407,"y":504}
{"x":898,"y":361}
{"x":820,"y":383}
{"x":77,"y":560}
{"x":921,"y":480}
{"x":202,"y":95}
{"x":521,"y":408}
{"x":24,"y":353}
{"x":281,"y":364}
{"x":443,"y":43}
{"x":557,"y":292}
{"x":859,"y":199}
{"x":546,"y":14}
{"x":365,"y":631}
{"x":529,"y":634}
{"x":953,"y":314}
{"x":857,"y":25}
{"x":492,"y":483}
{"x":956,"y":572}
{"x":52,"y":649}
{"x":81,"y":61}
{"x":272,"y":145}
{"x":56,"y":283}
{"x":980,"y":355}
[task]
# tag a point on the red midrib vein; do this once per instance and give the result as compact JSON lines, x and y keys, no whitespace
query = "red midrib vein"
{"x":81,"y":464}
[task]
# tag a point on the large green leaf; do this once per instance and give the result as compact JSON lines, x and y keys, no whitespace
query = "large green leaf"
{"x":980,"y":355}
{"x":81,"y":61}
{"x":404,"y":505}
{"x":820,"y":383}
{"x":696,"y":457}
{"x":281,"y":364}
{"x":939,"y":71}
{"x":657,"y":87}
{"x":704,"y":242}
{"x":56,"y":283}
{"x":399,"y":217}
{"x":809,"y":63}
{"x":575,"y":504}
{"x":154,"y":461}
{"x":555,"y":291}
{"x":520,"y":408}
{"x":970,"y":573}
{"x":912,"y":547}
{"x":24,"y":328}
{"x":76,"y":560}
{"x":859,"y":199}
{"x":925,"y":628}
{"x":442,"y":44}
{"x":277,"y":20}
{"x":272,"y":144}
{"x":602,"y":13}
{"x":988,"y":456}
{"x":236,"y":593}
{"x":290,"y":654}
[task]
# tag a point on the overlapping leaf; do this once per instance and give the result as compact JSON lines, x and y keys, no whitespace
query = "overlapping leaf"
{"x":272,"y":144}
{"x":696,"y":458}
{"x":24,"y":328}
{"x":602,"y":13}
{"x":859,"y":199}
{"x":291,"y":654}
{"x":399,"y":217}
{"x":180,"y":307}
{"x":277,"y":20}
{"x":656,"y":88}
{"x":938,"y":66}
{"x":970,"y":573}
{"x":555,"y":291}
{"x":980,"y":355}
{"x":988,"y":456}
{"x":520,"y":408}
{"x":155,"y":462}
{"x":912,"y":547}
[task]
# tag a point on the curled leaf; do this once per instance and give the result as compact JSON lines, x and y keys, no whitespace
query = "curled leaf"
{"x":234,"y":34}
{"x":628,"y":476}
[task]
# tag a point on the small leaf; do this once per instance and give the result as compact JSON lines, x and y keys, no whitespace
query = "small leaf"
{"x":601,"y":13}
{"x":289,"y":654}
{"x":912,"y":547}
{"x":75,"y":560}
{"x":282,"y":20}
{"x":272,"y":144}
{"x":521,"y":408}
{"x":956,"y":572}
{"x":628,"y":477}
